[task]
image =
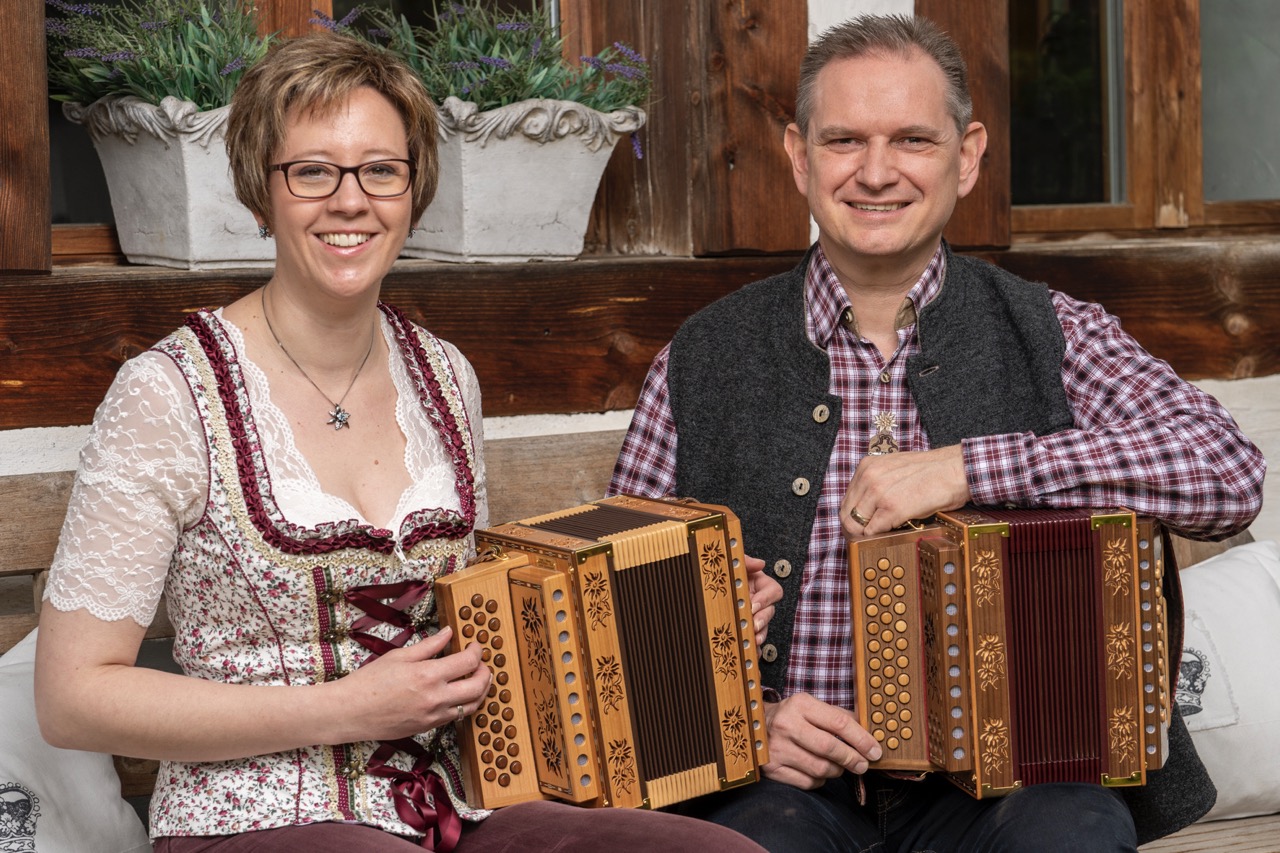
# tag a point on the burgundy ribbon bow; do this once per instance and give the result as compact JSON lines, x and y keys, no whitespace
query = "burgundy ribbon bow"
{"x":420,"y":796}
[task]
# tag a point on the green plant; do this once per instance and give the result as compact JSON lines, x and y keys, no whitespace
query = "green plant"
{"x":492,"y":58}
{"x":195,"y":50}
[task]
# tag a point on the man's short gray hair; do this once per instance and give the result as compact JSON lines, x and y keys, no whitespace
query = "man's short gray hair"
{"x":875,"y":34}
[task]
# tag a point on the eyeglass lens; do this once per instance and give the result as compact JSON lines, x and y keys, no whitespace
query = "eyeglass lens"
{"x":315,"y":179}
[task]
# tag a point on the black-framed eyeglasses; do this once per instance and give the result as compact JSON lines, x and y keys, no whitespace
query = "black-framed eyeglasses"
{"x":315,"y":179}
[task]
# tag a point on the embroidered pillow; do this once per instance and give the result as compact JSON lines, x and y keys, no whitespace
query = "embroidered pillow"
{"x":1227,"y":684}
{"x":54,"y":800}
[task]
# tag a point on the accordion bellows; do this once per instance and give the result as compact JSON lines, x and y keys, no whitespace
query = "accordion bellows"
{"x":1014,"y":647}
{"x":623,"y":650}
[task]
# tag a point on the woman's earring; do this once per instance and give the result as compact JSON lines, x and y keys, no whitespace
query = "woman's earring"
{"x":413,"y":231}
{"x":263,"y":231}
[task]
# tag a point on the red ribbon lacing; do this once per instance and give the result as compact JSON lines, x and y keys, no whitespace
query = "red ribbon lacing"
{"x":420,"y":796}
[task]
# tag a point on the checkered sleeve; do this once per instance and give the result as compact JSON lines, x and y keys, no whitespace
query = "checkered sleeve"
{"x":647,"y":462}
{"x":1144,"y":439}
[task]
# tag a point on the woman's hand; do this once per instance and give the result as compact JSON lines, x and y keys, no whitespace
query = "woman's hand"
{"x":765,"y":593}
{"x":409,"y":691}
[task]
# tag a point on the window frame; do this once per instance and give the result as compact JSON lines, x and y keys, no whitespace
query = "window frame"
{"x":1164,"y":151}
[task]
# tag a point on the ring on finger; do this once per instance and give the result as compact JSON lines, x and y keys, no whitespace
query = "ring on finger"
{"x":859,"y":517}
{"x":461,"y":712}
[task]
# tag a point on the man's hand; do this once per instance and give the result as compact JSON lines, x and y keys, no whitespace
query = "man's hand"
{"x":765,"y":593}
{"x":888,"y":491}
{"x":811,"y":742}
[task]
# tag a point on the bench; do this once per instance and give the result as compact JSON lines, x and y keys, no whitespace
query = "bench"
{"x":552,"y":472}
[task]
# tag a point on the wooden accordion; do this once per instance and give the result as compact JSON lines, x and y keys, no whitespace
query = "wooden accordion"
{"x":623,"y":651}
{"x":1014,"y":647}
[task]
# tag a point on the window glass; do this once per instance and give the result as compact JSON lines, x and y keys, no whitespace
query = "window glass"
{"x":1240,"y":67}
{"x":1066,"y":98}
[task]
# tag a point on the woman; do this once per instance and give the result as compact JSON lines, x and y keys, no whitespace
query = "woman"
{"x":293,"y":471}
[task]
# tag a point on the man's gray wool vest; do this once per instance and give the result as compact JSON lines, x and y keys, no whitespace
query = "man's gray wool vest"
{"x":756,"y":425}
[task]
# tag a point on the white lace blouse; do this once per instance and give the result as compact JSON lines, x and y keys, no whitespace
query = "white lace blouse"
{"x":144,"y":476}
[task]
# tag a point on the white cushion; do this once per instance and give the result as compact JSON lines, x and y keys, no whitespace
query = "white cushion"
{"x":1229,"y":684}
{"x":62,"y":800}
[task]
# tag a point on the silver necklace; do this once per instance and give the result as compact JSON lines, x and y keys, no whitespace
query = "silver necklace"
{"x":339,"y":417}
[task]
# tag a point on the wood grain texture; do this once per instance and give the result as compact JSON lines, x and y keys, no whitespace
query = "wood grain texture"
{"x":743,"y":193}
{"x":981,"y":30}
{"x":544,"y":338}
{"x":536,"y":475}
{"x":1246,"y":835}
{"x":25,"y":210}
{"x":714,"y":177}
{"x":1210,"y":308}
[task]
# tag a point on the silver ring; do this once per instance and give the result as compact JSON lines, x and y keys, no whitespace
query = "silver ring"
{"x":461,"y":713}
{"x":859,"y":517}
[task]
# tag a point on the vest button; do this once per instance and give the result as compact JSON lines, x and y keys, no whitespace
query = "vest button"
{"x":821,"y":412}
{"x":782,"y":568}
{"x":800,"y":486}
{"x":769,"y":653}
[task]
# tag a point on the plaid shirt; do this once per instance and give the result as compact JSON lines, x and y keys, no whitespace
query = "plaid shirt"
{"x":1144,"y":439}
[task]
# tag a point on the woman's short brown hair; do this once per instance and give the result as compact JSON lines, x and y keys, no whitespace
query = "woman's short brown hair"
{"x":318,"y":72}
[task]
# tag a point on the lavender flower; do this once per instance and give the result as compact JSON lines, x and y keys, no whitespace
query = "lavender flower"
{"x":350,"y":16}
{"x":635,"y":146}
{"x":536,"y":48}
{"x":118,"y":56}
{"x":232,"y":66}
{"x":73,"y":8}
{"x":464,"y":65}
{"x":323,"y":20}
{"x":519,"y":26}
{"x":378,"y":33}
{"x":629,"y":53}
{"x":624,"y":70}
{"x":594,"y":61}
{"x":496,"y":62}
{"x":81,"y":53}
{"x":154,"y":25}
{"x":56,"y":27}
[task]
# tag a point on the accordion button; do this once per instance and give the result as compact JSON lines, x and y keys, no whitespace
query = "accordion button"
{"x":769,"y":652}
{"x":782,"y":568}
{"x":800,"y":486}
{"x":821,"y":413}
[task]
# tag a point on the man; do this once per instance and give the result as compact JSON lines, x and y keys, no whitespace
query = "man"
{"x":886,"y":379}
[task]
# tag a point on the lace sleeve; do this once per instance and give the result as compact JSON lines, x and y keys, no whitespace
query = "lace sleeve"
{"x":143,"y":476}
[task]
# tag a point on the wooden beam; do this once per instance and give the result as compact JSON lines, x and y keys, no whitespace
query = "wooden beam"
{"x":544,"y":338}
{"x":25,"y":210}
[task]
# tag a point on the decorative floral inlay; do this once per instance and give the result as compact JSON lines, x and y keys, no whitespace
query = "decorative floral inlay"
{"x":622,"y":764}
{"x":991,"y":661}
{"x":715,"y":577}
{"x":547,"y":715}
{"x":609,"y":681}
{"x":986,"y":578}
{"x":724,"y":645}
{"x":598,"y":608}
{"x":1120,"y":651}
{"x":1115,"y":566}
{"x":734,"y":726}
{"x":995,"y":745}
{"x":533,"y":632}
{"x":1122,"y":730}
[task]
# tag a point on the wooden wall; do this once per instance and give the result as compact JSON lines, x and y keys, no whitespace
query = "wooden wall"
{"x":578,"y":337}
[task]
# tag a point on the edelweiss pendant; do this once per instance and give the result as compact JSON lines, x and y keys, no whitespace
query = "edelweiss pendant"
{"x":339,"y":417}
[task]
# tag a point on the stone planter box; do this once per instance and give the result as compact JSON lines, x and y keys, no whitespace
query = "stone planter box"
{"x":517,"y":183}
{"x":167,"y":171}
